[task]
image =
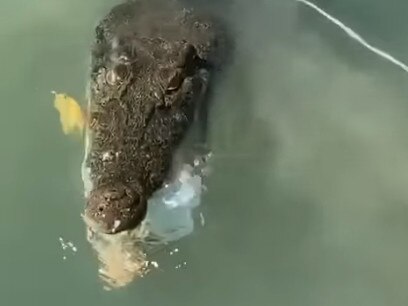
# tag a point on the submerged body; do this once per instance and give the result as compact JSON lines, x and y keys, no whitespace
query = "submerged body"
{"x":152,"y":64}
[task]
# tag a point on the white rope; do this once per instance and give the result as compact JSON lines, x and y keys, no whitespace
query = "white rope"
{"x":356,"y":36}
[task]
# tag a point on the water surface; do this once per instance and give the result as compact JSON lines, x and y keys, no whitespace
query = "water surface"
{"x":307,"y":203}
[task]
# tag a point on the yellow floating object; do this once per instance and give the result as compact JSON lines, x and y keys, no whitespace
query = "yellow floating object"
{"x":72,"y":117}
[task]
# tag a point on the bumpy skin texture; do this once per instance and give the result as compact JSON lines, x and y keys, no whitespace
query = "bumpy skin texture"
{"x":152,"y":64}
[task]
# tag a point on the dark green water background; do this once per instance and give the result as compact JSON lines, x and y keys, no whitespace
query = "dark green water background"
{"x":308,"y":200}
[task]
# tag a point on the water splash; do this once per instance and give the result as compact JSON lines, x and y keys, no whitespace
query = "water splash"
{"x":170,"y":213}
{"x":169,"y":218}
{"x":352,"y":34}
{"x":174,"y":251}
{"x":65,"y":246}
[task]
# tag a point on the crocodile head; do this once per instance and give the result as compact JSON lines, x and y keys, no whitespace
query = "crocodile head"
{"x":150,"y":69}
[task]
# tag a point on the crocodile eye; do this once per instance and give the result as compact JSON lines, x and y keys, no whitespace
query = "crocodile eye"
{"x":123,"y":58}
{"x":175,"y":81}
{"x":117,"y":74}
{"x":187,"y":57}
{"x":122,"y":71}
{"x":111,"y":77}
{"x":187,"y":65}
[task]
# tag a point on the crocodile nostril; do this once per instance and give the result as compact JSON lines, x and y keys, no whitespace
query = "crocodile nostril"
{"x":122,"y":71}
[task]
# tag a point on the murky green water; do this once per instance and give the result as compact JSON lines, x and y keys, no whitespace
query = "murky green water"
{"x":308,"y":200}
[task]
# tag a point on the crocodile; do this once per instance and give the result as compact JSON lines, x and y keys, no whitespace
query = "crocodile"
{"x":153,"y":65}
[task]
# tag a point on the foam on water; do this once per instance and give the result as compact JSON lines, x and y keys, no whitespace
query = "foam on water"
{"x":170,"y":210}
